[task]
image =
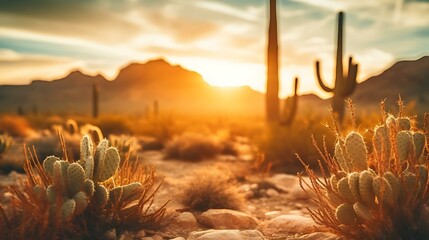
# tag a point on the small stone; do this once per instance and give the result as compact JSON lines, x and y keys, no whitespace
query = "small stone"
{"x":157,"y":237}
{"x":110,"y":235}
{"x":146,"y":238}
{"x":272,"y":193}
{"x":140,"y":234}
{"x":178,"y":238}
{"x":226,"y":235}
{"x":286,"y":224}
{"x":227,"y":219}
{"x":272,"y":214}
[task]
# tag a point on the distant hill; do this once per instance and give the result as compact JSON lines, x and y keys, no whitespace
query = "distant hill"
{"x":410,"y":79}
{"x":135,"y":89}
{"x":179,"y":90}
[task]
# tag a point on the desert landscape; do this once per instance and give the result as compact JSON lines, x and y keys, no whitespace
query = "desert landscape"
{"x":214,"y":120}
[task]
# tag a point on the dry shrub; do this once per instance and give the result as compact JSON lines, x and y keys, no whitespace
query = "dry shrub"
{"x":15,"y":126}
{"x":114,"y":125}
{"x":48,"y":144}
{"x":211,"y":189}
{"x":192,"y":147}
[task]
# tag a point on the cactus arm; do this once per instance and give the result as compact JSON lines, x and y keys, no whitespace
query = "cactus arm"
{"x":287,"y":120}
{"x":319,"y":79}
{"x":350,"y":79}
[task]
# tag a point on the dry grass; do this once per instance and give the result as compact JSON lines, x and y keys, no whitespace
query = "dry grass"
{"x":193,"y":147}
{"x":15,"y":126}
{"x":211,"y":189}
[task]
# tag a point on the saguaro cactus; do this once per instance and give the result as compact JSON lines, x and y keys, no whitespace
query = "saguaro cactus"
{"x":344,"y":84}
{"x":271,"y":97}
{"x":94,"y":100}
{"x":289,"y":107}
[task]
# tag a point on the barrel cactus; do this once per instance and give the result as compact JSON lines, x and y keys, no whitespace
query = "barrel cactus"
{"x":378,"y":191}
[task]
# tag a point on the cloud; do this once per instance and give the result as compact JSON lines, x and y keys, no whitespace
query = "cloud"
{"x":36,"y":67}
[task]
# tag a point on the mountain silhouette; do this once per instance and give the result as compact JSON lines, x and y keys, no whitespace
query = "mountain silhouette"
{"x":409,"y":79}
{"x":178,"y":90}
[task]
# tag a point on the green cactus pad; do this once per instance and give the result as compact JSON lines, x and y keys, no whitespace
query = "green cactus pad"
{"x":419,"y":142}
{"x":410,"y":185}
{"x":362,"y":211}
{"x":68,"y":209}
{"x":423,"y":177}
{"x":48,"y":165}
{"x":51,"y":194}
{"x":58,"y":176}
{"x":127,"y":192}
{"x":345,"y":214}
{"x":76,"y":178}
{"x":81,"y":202}
{"x":339,"y":156}
{"x":353,"y":180}
{"x":382,"y":144}
{"x":89,"y":167}
{"x":101,"y":195}
{"x":403,"y":145}
{"x":394,"y":183}
{"x":99,"y":157}
{"x":365,"y":188}
{"x":40,"y":192}
{"x":404,"y":123}
{"x":383,"y":190}
{"x":344,"y":190}
{"x":111,"y":164}
{"x":356,"y":150}
{"x":86,"y":148}
{"x":334,"y":199}
{"x":391,"y":122}
{"x":88,"y":187}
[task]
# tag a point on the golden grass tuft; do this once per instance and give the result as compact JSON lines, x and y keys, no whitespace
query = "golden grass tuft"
{"x":211,"y":190}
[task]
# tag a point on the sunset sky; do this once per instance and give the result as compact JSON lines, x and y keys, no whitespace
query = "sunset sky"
{"x":224,"y":40}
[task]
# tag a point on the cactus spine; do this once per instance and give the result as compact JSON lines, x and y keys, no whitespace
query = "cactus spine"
{"x":344,"y":84}
{"x":94,"y":100}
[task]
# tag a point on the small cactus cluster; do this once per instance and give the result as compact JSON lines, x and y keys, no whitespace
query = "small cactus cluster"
{"x":361,"y":197}
{"x":5,"y":142}
{"x":125,"y":144}
{"x":76,"y":184}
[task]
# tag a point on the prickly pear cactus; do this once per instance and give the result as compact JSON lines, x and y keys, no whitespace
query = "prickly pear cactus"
{"x":78,"y":184}
{"x":369,"y":183}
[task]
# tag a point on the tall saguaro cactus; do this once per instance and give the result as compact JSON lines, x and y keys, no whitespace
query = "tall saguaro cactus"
{"x":271,"y":97}
{"x":94,"y":100}
{"x":344,"y":84}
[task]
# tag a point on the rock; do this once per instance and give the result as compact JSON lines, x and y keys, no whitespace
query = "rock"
{"x":226,"y":235}
{"x":157,"y":237}
{"x":178,"y":238}
{"x":146,"y":238}
{"x":140,"y":234}
{"x":282,"y":182}
{"x":272,"y":193}
{"x":286,"y":224}
{"x":181,"y":225}
{"x":272,"y":214}
{"x":110,"y":235}
{"x":317,"y":236}
{"x":227,"y":219}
